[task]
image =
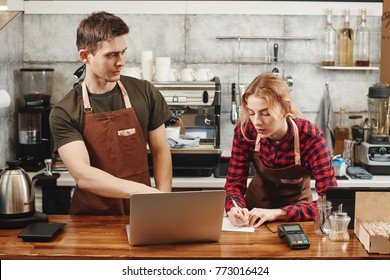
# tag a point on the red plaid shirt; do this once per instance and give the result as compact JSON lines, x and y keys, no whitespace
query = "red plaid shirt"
{"x":315,"y":160}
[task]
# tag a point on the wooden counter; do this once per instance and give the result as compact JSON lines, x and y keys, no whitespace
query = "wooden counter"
{"x":99,"y":237}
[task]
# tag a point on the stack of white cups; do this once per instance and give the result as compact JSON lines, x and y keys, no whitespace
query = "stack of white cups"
{"x":163,"y":67}
{"x":147,"y":65}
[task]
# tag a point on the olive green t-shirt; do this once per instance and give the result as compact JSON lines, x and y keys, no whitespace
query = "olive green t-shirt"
{"x":67,"y":117}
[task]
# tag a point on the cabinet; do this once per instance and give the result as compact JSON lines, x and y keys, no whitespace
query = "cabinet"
{"x":209,"y":183}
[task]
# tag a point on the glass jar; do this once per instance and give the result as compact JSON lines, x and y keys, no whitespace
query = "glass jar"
{"x":362,"y":53}
{"x":346,"y":42}
{"x":341,"y":133}
{"x":321,"y":222}
{"x":339,"y":221}
{"x":328,"y":37}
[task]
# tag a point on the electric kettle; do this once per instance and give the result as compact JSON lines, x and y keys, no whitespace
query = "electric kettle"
{"x":17,"y":192}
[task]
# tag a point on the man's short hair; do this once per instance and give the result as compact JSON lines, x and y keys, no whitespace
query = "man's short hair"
{"x":98,"y":27}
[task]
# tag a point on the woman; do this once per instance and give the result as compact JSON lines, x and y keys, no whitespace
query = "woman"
{"x":285,"y":150}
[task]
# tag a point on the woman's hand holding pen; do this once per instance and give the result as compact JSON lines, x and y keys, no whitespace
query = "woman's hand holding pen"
{"x":238,"y":217}
{"x":241,"y":217}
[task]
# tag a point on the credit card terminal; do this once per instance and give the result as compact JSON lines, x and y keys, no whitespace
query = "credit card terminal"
{"x":294,"y":236}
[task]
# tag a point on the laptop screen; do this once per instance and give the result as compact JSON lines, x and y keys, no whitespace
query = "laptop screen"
{"x":176,"y":217}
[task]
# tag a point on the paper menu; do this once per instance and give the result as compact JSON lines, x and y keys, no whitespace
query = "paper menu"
{"x":227,"y":226}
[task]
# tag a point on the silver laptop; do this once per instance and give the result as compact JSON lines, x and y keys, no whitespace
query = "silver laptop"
{"x":176,"y":217}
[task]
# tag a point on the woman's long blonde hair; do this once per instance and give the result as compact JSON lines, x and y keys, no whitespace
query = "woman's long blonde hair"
{"x":275,"y":90}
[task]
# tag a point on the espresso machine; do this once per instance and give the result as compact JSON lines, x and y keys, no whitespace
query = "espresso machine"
{"x":374,"y":154}
{"x":33,"y":118}
{"x":197,"y":105}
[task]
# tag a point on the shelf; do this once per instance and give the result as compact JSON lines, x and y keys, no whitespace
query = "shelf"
{"x":351,"y":68}
{"x":266,"y":38}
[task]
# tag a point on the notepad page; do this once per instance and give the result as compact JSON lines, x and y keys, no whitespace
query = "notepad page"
{"x":227,"y":226}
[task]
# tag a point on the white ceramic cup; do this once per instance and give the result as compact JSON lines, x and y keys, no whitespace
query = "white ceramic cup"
{"x":187,"y":75}
{"x":174,"y":75}
{"x":5,"y":99}
{"x":204,"y":74}
{"x":147,"y":65}
{"x":163,"y":66}
{"x":172,"y":132}
{"x":132,"y":72}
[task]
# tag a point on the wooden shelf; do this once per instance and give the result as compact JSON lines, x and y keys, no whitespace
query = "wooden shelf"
{"x":351,"y":68}
{"x":266,"y":38}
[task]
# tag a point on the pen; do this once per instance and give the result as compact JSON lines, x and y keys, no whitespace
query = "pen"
{"x":236,"y":205}
{"x":239,"y":209}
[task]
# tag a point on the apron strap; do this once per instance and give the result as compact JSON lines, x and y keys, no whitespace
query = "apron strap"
{"x":297,"y":150}
{"x":125,"y":95}
{"x":87,"y":104}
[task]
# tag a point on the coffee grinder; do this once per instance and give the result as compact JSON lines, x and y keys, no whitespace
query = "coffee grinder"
{"x":33,"y":119}
{"x":374,"y":154}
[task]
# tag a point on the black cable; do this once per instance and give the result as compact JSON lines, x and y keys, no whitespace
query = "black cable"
{"x":266,"y":225}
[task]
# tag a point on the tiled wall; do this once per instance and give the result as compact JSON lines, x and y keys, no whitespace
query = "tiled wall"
{"x":11,"y":56}
{"x":190,"y":40}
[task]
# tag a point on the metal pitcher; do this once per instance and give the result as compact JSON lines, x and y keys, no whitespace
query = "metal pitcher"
{"x":17,"y":192}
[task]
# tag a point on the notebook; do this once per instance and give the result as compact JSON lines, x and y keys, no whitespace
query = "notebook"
{"x":176,"y":217}
{"x":347,"y":196}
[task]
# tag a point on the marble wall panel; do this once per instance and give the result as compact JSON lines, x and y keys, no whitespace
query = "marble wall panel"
{"x":202,"y":31}
{"x":50,"y":38}
{"x":10,"y":61}
{"x":191,"y":41}
{"x":164,"y":35}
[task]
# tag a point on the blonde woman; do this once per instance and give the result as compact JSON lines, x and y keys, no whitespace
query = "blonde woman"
{"x":285,"y":150}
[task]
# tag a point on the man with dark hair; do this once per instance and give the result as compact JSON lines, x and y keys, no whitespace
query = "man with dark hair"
{"x":101,"y":128}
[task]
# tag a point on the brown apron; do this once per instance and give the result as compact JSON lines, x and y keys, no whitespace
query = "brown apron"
{"x":279,"y":187}
{"x":115,"y":144}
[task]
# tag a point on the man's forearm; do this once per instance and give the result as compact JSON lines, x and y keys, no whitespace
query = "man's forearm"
{"x":162,"y":171}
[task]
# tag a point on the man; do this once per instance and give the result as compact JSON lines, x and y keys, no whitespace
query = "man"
{"x":102,"y":127}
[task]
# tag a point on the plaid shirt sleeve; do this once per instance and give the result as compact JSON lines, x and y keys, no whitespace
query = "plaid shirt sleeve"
{"x":236,"y":178}
{"x":315,"y":160}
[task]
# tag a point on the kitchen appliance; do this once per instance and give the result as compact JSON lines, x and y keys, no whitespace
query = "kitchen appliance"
{"x":197,"y":106}
{"x":17,"y":193}
{"x":33,"y":118}
{"x":374,"y":154}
